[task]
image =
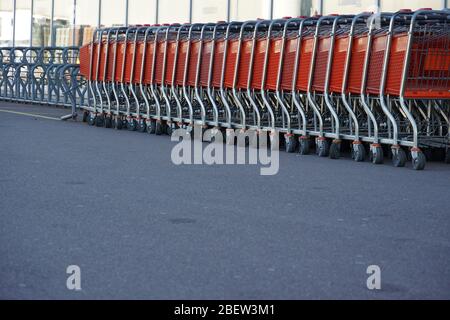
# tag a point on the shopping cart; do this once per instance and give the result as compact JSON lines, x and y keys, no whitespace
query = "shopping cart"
{"x":377,"y":83}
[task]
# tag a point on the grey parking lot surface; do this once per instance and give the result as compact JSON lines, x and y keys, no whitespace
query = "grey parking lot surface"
{"x":141,"y":227}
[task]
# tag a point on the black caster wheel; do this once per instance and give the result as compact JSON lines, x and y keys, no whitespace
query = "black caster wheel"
{"x":158,"y":128}
{"x":141,"y":126}
{"x":322,"y":147}
{"x":304,"y":145}
{"x":91,"y":119}
{"x":335,"y":150}
{"x":118,"y":124}
{"x":151,"y":126}
{"x":447,"y":155}
{"x":290,"y":142}
{"x":85,"y":116}
{"x":108,"y":122}
{"x":428,"y":153}
{"x":376,"y":154}
{"x":131,"y":124}
{"x":100,"y":120}
{"x":358,"y":151}
{"x":163,"y":127}
{"x":169,"y":128}
{"x":387,"y":151}
{"x":418,"y":159}
{"x":398,"y":157}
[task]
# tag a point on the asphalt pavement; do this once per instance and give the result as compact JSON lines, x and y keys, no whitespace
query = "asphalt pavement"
{"x":139,"y":226}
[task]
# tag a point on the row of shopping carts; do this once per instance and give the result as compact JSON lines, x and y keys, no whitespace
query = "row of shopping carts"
{"x":378,"y":82}
{"x":48,"y":75}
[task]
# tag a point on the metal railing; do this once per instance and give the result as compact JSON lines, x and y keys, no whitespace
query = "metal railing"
{"x":48,"y":75}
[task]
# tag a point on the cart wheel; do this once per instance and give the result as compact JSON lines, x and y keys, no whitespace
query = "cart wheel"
{"x":91,"y":119}
{"x":335,"y":149}
{"x":85,"y":116}
{"x":376,"y":154}
{"x":141,"y":126}
{"x":387,"y":152}
{"x":169,"y":128}
{"x":447,"y":155}
{"x":131,"y":124}
{"x":358,"y":152}
{"x":158,"y":128}
{"x":322,"y":147}
{"x":108,"y":122}
{"x":99,"y":120}
{"x":418,"y":160}
{"x":304,"y":145}
{"x":290,"y":143}
{"x":118,"y":124}
{"x":163,"y":127}
{"x":428,"y":153}
{"x":151,"y":126}
{"x":398,"y":157}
